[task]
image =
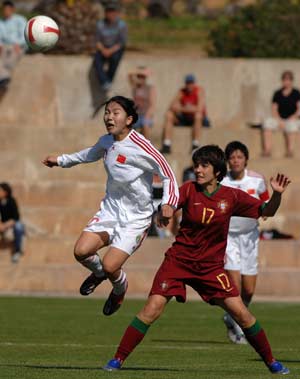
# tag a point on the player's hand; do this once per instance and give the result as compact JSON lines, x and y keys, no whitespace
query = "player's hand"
{"x":279,"y":183}
{"x":50,"y":161}
{"x":164,"y":215}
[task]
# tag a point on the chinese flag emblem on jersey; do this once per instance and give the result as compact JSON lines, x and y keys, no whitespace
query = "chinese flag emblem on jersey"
{"x":121,"y":158}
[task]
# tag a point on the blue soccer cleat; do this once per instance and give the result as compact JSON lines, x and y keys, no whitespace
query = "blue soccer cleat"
{"x":278,"y":368}
{"x":113,"y":365}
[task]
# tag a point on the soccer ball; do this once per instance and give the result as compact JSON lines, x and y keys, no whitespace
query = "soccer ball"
{"x":41,"y":33}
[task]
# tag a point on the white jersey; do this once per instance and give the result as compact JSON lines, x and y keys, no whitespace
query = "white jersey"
{"x":255,"y":185}
{"x":130,"y":165}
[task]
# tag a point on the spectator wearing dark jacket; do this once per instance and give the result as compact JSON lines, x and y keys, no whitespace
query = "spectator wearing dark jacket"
{"x":10,"y":219}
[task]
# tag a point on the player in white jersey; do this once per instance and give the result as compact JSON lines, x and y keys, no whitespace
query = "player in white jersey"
{"x":241,"y":258}
{"x":126,"y":210}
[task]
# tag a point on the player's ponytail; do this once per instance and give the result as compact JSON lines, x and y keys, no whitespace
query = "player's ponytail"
{"x":127,"y":104}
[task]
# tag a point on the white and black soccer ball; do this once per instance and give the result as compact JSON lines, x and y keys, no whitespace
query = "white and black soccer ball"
{"x":41,"y":33}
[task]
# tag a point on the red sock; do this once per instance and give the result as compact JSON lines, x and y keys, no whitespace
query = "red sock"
{"x":258,"y":340}
{"x":131,"y":338}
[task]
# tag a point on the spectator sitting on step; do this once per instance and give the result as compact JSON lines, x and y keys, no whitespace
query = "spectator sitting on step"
{"x":186,"y":109}
{"x":12,"y":41}
{"x":111,"y":38}
{"x":285,"y":115}
{"x":144,"y":96}
{"x":10,"y":219}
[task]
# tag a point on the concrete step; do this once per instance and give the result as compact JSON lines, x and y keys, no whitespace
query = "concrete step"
{"x":63,"y":193}
{"x":57,"y":221}
{"x":59,"y":250}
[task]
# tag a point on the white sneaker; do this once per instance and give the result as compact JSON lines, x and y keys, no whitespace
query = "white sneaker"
{"x":16,"y":257}
{"x":234,"y":332}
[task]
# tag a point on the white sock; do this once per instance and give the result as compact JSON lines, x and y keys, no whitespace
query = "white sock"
{"x":195,"y":142}
{"x":93,"y":263}
{"x":167,"y":142}
{"x":119,"y":285}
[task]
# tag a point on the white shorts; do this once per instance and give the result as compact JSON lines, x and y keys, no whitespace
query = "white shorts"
{"x":242,"y":252}
{"x":290,"y":126}
{"x":127,"y":238}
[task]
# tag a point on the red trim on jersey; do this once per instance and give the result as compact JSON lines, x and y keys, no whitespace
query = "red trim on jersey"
{"x":251,"y":191}
{"x":161,"y":161}
{"x":166,"y":170}
{"x":264,"y":196}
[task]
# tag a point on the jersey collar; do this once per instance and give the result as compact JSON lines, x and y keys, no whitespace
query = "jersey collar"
{"x":212,"y":193}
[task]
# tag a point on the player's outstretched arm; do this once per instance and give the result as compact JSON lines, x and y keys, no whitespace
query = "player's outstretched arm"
{"x":50,"y":161}
{"x":279,"y":185}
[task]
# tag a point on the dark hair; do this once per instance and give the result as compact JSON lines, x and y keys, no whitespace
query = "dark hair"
{"x":236,"y":145}
{"x":7,"y":188}
{"x":214,"y":155}
{"x":8,"y":4}
{"x":287,"y":74}
{"x":127,"y":104}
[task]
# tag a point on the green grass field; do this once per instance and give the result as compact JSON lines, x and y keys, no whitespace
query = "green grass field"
{"x":70,"y":338}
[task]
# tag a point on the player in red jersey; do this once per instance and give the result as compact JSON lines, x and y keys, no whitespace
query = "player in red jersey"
{"x":196,"y":258}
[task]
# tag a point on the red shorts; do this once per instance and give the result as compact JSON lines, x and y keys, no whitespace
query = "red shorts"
{"x":211,"y":282}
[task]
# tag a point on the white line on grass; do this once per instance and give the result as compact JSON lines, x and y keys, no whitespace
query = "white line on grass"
{"x":206,"y":346}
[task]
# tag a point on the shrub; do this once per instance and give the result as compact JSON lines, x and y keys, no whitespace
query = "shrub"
{"x":267,"y":29}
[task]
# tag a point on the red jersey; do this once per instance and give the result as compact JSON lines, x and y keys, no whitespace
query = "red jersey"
{"x":202,"y":236}
{"x":189,"y":97}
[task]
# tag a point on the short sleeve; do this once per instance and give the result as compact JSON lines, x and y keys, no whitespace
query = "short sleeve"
{"x":262,"y":190}
{"x":246,"y":205}
{"x":276,"y":97}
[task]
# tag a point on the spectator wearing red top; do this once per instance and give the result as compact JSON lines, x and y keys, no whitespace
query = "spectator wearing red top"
{"x":186,"y":109}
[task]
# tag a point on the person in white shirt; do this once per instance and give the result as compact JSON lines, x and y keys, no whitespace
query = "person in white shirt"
{"x":126,"y":210}
{"x":241,"y":259}
{"x":12,"y":40}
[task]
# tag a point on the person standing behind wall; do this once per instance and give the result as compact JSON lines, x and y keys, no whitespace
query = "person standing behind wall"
{"x":12,"y":41}
{"x":111,"y":38}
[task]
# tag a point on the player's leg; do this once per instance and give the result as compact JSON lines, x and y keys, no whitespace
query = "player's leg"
{"x":168,"y":131}
{"x":126,"y":240}
{"x":253,"y":331}
{"x":248,"y":288}
{"x":85,"y":252}
{"x":196,"y":130}
{"x":233,"y":266}
{"x":137,"y":330}
{"x":113,"y":261}
{"x":234,"y":331}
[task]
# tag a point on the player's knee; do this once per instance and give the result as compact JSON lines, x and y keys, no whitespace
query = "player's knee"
{"x":80,"y":252}
{"x":152,"y":311}
{"x":244,"y":318}
{"x":110,"y":267}
{"x":247,"y":296}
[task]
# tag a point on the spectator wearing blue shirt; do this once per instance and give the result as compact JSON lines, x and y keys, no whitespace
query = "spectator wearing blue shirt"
{"x":12,"y":41}
{"x":111,"y":38}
